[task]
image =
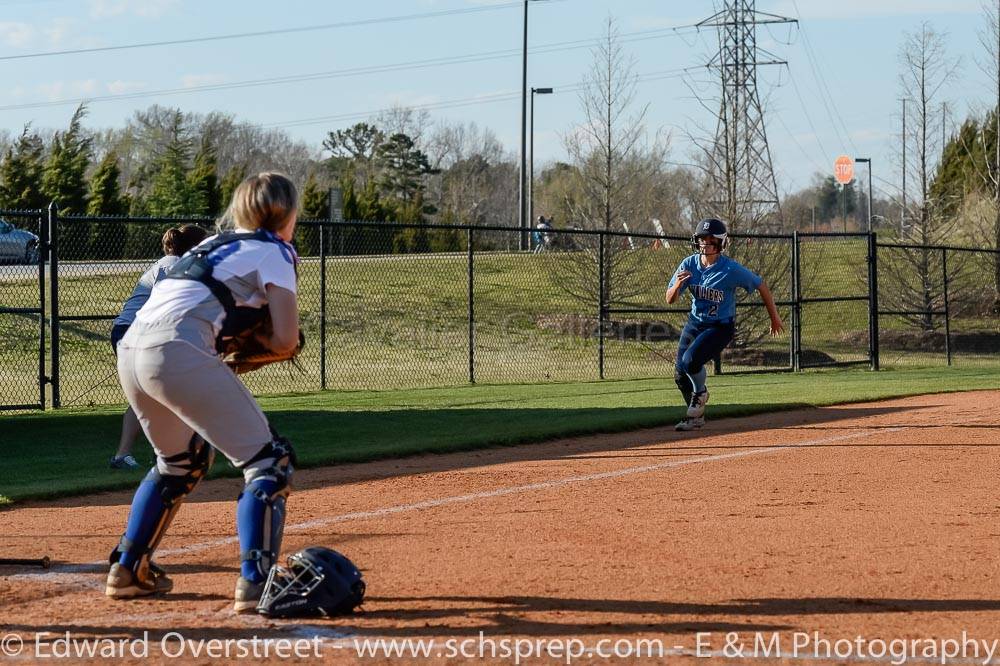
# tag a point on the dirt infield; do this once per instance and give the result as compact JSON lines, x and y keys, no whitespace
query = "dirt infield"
{"x":875,"y":520}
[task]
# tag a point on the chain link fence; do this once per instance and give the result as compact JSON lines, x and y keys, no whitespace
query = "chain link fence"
{"x":834,"y":300}
{"x":22,"y":311}
{"x":939,"y":305}
{"x":387,"y":305}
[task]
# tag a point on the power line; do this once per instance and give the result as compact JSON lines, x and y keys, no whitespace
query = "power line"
{"x":464,"y":101}
{"x":264,"y":33}
{"x":830,"y":104}
{"x":805,"y":110}
{"x":795,"y":141}
{"x":354,"y":71}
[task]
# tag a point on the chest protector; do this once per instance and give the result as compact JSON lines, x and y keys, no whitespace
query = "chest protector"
{"x":198,"y":265}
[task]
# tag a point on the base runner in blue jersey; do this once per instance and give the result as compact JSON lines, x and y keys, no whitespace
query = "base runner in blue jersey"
{"x":712,"y":279}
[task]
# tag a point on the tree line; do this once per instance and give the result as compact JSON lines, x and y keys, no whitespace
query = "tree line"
{"x":401,"y":166}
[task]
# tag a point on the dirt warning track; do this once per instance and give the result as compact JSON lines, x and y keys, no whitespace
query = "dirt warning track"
{"x":876,"y":520}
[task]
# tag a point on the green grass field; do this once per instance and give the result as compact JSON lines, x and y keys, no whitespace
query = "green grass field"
{"x":401,"y":322}
{"x":65,"y":452}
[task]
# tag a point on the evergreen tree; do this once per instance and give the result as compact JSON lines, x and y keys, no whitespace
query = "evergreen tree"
{"x":203,"y":181}
{"x":315,"y":201}
{"x":63,"y":178}
{"x":957,"y":175}
{"x":412,"y":239}
{"x":315,"y":206}
{"x":229,"y":184}
{"x":107,"y":239}
{"x":351,"y":211}
{"x":21,"y":173}
{"x":354,"y":151}
{"x":170,"y":192}
{"x":64,"y":182}
{"x":370,"y":206}
{"x":830,"y":199}
{"x":402,"y":167}
{"x":105,"y":192}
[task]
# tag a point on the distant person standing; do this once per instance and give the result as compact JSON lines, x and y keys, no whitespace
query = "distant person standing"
{"x":543,"y":234}
{"x":176,"y":241}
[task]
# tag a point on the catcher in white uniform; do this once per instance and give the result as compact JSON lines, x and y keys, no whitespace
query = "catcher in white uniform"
{"x":184,"y":395}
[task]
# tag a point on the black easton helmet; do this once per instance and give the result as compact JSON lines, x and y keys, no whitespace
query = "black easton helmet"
{"x":711,"y":228}
{"x":317,"y":581}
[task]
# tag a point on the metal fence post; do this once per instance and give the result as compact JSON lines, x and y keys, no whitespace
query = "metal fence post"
{"x":322,"y":305}
{"x":470,"y":276}
{"x":796,"y":305}
{"x":600,"y":305}
{"x":54,"y":286}
{"x":43,"y":253}
{"x":873,"y":352}
{"x":947,"y":308}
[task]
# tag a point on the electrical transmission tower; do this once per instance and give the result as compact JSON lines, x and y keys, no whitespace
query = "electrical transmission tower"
{"x":745,"y":191}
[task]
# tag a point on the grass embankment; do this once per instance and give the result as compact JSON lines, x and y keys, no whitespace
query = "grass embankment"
{"x":402,"y":321}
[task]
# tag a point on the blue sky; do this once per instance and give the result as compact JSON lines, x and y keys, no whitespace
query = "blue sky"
{"x":852,"y":44}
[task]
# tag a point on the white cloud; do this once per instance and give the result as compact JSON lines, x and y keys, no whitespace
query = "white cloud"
{"x":410,"y":98}
{"x":120,"y":87}
{"x":195,"y":80}
{"x":58,"y":90}
{"x":143,"y":8}
{"x":60,"y":28}
{"x":16,"y":34}
{"x":870,"y":135}
{"x":849,"y":9}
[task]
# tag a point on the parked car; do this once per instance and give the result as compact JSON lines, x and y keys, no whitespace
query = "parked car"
{"x":17,"y":245}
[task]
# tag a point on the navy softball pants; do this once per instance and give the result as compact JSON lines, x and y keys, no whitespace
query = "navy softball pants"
{"x":701,"y":342}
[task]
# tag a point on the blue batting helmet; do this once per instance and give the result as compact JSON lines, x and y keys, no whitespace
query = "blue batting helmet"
{"x":711,"y":228}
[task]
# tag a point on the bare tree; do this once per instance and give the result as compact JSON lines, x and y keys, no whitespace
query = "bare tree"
{"x":400,"y":119}
{"x":475,"y":180}
{"x":238,"y":144}
{"x":616,"y":170}
{"x":984,"y":149}
{"x":609,"y":148}
{"x":914,"y":281}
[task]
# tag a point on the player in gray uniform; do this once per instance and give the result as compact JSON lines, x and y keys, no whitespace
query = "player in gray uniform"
{"x":184,"y":395}
{"x":176,"y":241}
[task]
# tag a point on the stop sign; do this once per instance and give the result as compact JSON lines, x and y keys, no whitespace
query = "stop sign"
{"x":843,"y":169}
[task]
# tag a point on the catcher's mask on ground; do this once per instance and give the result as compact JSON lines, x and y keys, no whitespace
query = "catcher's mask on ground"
{"x":317,"y":581}
{"x":713,"y":230}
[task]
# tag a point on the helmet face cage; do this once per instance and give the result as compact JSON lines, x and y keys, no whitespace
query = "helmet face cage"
{"x":299,"y":579}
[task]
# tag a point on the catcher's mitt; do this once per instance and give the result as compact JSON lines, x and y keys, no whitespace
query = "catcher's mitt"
{"x":249,"y":351}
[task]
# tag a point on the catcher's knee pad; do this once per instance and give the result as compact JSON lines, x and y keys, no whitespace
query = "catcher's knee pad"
{"x":684,"y":384}
{"x":157,"y":501}
{"x":260,"y":508}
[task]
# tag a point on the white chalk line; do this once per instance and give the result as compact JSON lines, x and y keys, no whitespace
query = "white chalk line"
{"x":337,"y":638}
{"x":60,"y":571}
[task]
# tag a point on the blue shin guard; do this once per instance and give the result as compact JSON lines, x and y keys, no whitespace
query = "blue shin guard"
{"x":155,"y":504}
{"x":260,"y":509}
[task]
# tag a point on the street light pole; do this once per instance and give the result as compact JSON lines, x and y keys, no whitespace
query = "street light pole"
{"x":521,"y":199}
{"x":868,"y":161}
{"x":531,"y":170}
